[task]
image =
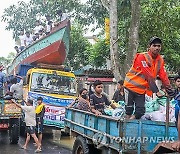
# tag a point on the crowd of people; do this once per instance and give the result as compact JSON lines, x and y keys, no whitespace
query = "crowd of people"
{"x":139,"y":82}
{"x":13,"y":90}
{"x":40,"y":30}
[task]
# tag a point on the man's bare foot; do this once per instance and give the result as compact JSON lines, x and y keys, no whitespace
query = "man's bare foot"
{"x":132,"y":117}
{"x":24,"y":147}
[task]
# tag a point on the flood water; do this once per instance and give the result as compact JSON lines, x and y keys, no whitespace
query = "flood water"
{"x":63,"y":139}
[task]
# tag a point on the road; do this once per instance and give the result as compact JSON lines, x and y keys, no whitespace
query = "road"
{"x":48,"y":146}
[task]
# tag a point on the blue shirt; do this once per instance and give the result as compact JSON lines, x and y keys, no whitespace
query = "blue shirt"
{"x":2,"y":79}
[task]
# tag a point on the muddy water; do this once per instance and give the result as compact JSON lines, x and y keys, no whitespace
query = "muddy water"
{"x":67,"y":142}
{"x":62,"y":139}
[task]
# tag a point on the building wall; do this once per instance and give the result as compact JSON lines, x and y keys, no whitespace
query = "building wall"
{"x":109,"y":87}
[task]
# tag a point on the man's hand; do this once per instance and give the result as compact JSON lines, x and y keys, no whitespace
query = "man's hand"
{"x":13,"y":100}
{"x":176,"y":145}
{"x":159,"y":95}
{"x":97,"y":113}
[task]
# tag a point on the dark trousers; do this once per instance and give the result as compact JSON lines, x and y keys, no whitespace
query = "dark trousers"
{"x":1,"y":93}
{"x":134,"y":99}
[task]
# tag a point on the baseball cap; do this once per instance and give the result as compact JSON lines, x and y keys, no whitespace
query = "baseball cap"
{"x":155,"y":39}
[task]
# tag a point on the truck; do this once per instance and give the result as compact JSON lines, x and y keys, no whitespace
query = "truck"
{"x":111,"y":135}
{"x":10,"y":116}
{"x":57,"y":88}
{"x":41,"y":66}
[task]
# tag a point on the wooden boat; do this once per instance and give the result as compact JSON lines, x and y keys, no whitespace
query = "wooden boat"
{"x":51,"y":49}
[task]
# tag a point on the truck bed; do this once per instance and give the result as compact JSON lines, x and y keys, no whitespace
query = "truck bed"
{"x":9,"y":110}
{"x":139,"y":136}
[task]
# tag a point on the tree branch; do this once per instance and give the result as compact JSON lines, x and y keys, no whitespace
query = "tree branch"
{"x":106,"y":4}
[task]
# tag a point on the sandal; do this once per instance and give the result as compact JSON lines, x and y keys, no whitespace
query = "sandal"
{"x":38,"y":150}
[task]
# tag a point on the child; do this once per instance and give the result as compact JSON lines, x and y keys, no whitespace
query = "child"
{"x":30,"y":120}
{"x":99,"y":100}
{"x":40,"y":110}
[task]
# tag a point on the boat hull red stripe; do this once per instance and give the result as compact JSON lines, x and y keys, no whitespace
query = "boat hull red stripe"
{"x":52,"y":54}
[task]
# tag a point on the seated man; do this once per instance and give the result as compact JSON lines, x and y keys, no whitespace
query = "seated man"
{"x":119,"y":93}
{"x":99,"y":100}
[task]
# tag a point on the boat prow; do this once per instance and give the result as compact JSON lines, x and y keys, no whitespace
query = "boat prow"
{"x":51,"y":49}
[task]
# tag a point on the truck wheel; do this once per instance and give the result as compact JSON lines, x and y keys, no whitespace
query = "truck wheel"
{"x":80,"y":146}
{"x":22,"y":128}
{"x":14,"y":131}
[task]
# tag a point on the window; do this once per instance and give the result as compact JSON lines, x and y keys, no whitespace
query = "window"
{"x":53,"y":84}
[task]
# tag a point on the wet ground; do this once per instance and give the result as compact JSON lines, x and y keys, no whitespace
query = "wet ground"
{"x":51,"y":144}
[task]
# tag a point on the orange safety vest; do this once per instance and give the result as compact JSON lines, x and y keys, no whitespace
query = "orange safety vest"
{"x":135,"y":80}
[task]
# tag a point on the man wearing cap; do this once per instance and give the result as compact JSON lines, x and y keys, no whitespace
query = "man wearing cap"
{"x":2,"y":81}
{"x":140,"y":79}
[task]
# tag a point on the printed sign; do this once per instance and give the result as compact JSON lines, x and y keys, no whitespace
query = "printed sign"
{"x":54,"y":116}
{"x":51,"y":100}
{"x":55,"y":109}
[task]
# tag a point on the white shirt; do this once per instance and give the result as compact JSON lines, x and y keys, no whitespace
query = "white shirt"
{"x":64,"y":17}
{"x":30,"y":115}
{"x":48,"y":28}
{"x":17,"y":90}
{"x":22,"y":38}
{"x":38,"y":28}
{"x":28,"y":40}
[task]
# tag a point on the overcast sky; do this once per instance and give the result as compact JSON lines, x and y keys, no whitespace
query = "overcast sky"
{"x":6,"y":42}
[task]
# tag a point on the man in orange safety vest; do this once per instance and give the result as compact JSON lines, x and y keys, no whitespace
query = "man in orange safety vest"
{"x":140,"y":79}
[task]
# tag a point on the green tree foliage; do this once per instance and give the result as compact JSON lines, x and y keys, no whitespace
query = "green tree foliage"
{"x":6,"y":61}
{"x":99,"y":53}
{"x":23,"y":16}
{"x":19,"y":17}
{"x":158,"y":18}
{"x":162,"y":18}
{"x":79,"y":48}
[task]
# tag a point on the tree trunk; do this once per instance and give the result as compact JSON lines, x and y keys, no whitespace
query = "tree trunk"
{"x":115,"y":64}
{"x":119,"y":71}
{"x":133,"y":34}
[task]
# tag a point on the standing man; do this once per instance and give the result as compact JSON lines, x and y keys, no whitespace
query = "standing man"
{"x":140,"y":79}
{"x":176,"y":145}
{"x":177,"y":82}
{"x":40,"y":110}
{"x":30,"y":120}
{"x":119,"y":93}
{"x":2,"y":81}
{"x":16,"y":89}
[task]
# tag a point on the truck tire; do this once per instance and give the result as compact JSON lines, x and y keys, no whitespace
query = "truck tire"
{"x":14,"y":131}
{"x":22,"y":128}
{"x":80,"y":146}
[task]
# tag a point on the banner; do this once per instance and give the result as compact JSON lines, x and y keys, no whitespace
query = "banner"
{"x":54,"y":116}
{"x":107,"y":30}
{"x":51,"y":100}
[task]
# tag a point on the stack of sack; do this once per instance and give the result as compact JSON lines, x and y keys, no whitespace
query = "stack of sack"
{"x":156,"y":110}
{"x":119,"y":112}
